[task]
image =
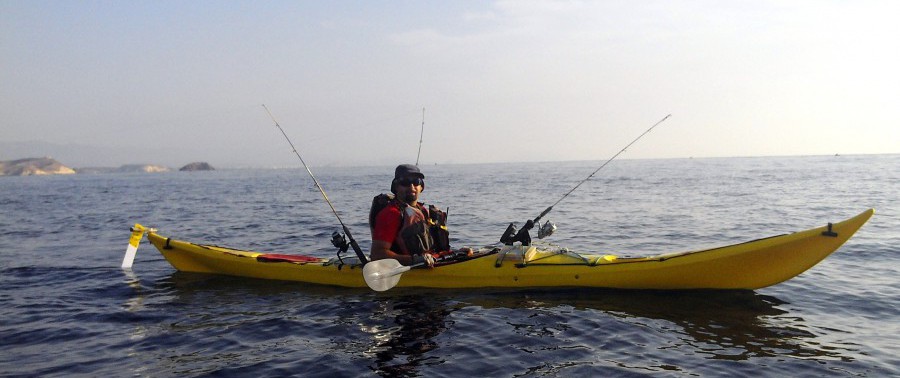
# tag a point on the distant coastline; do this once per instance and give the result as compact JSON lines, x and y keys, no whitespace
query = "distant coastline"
{"x":49,"y":166}
{"x":44,"y":166}
{"x":128,"y":168}
{"x":34,"y":167}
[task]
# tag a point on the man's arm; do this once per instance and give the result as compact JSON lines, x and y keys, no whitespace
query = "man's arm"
{"x":382,"y":250}
{"x":387,"y":222}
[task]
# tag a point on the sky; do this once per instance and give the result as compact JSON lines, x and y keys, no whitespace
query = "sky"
{"x":106,"y":83}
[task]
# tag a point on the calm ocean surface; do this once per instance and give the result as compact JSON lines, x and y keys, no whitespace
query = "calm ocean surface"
{"x":67,"y":309}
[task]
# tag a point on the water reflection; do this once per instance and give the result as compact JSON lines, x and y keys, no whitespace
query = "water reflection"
{"x":395,"y":333}
{"x":409,"y":342}
{"x":136,"y":302}
{"x":722,"y":325}
{"x":400,"y":333}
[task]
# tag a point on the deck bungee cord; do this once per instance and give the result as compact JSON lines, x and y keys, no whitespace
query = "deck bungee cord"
{"x":511,"y":235}
{"x":336,"y":239}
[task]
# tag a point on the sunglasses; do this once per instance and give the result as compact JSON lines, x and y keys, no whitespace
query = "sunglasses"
{"x":415,"y":180}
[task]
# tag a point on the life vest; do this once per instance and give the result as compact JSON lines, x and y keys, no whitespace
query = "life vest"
{"x":421,"y":230}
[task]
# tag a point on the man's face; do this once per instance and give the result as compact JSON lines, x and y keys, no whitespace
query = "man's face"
{"x":409,"y":188}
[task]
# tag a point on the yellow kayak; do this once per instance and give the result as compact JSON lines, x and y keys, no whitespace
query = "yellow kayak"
{"x":751,"y":265}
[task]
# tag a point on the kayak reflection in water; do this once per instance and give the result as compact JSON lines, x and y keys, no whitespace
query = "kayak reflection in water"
{"x":403,"y":228}
{"x":410,"y":343}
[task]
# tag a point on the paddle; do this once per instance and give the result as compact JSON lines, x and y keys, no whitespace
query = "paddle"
{"x":382,"y":275}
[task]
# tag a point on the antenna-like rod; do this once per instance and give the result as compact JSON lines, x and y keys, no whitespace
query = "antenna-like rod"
{"x":420,"y":136}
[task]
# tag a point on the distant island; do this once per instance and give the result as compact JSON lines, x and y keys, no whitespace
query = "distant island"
{"x":50,"y":166}
{"x":197,"y":166}
{"x":34,"y":167}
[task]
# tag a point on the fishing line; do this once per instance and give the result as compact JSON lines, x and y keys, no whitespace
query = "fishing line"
{"x":604,"y":164}
{"x":359,"y":253}
{"x":522,"y":236}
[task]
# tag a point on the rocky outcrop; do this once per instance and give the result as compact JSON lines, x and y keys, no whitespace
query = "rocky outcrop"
{"x":33,"y":167}
{"x":197,"y":166}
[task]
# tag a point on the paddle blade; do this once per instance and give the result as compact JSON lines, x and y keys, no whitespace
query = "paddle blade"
{"x":382,"y":275}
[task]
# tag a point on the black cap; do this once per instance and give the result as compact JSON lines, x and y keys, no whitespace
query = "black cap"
{"x":406,"y":170}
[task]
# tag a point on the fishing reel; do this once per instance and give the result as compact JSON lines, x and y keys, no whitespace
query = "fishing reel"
{"x":547,"y":229}
{"x":340,"y":242}
{"x":511,"y":235}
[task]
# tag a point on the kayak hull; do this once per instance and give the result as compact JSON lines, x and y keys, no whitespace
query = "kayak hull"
{"x":751,"y":265}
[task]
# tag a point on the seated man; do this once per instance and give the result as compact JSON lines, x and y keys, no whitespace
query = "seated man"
{"x":402,"y":227}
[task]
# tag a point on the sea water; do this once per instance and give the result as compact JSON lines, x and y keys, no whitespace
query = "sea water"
{"x":67,"y":309}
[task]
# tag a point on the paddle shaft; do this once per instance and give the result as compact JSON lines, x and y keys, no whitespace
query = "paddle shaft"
{"x":401,"y":270}
{"x":359,"y":252}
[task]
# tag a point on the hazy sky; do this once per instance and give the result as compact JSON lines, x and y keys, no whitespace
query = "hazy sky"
{"x":170,"y":82}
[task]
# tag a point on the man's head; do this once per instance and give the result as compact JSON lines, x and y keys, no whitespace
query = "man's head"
{"x":408,"y":182}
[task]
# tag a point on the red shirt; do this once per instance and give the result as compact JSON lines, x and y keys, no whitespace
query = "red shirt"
{"x":387,"y":224}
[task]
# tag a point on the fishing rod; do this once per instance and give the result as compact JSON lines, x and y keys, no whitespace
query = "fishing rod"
{"x":421,"y":133}
{"x":511,"y":235}
{"x":336,"y":239}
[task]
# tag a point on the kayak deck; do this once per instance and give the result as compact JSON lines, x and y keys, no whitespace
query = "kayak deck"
{"x":751,"y":265}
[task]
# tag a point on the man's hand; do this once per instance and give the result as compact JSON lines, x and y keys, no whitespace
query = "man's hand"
{"x":425,"y":258}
